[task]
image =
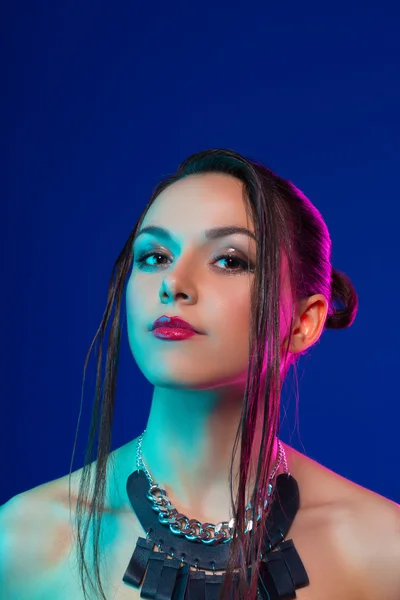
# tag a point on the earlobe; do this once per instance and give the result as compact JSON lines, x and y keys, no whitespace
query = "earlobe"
{"x":298,"y":341}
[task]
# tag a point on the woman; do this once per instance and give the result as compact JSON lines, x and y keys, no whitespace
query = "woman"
{"x":244,"y":258}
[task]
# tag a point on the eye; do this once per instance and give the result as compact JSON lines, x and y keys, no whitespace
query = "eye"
{"x":243,"y":264}
{"x":143,"y":257}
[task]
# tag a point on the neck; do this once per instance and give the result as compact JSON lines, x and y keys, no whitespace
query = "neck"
{"x":188,"y":445}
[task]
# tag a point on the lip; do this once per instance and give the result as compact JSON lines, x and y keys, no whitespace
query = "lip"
{"x":173,"y":333}
{"x":173,"y":322}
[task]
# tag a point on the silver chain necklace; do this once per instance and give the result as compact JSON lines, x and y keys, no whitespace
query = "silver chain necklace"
{"x":180,"y":524}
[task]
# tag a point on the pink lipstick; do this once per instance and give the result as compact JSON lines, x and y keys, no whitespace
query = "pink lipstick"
{"x":173,"y":328}
{"x":171,"y":333}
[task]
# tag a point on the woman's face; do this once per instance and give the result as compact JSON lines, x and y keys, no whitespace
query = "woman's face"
{"x":190,"y":281}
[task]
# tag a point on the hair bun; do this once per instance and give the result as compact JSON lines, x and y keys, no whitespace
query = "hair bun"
{"x":343,"y":293}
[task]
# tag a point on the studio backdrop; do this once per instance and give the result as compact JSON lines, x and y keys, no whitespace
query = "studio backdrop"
{"x":102,"y":100}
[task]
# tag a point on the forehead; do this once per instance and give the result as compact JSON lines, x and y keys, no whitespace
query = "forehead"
{"x":199,"y":201}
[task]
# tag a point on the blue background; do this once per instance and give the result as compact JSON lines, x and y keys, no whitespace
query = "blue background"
{"x":100,"y":102}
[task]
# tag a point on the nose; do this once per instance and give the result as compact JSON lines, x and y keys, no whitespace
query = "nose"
{"x":173,"y":289}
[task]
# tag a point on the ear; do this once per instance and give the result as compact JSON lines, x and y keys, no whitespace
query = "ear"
{"x":309,"y":323}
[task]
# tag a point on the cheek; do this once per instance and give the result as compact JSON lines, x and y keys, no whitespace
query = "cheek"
{"x":139,"y":293}
{"x":229,"y":316}
{"x":136,"y":316}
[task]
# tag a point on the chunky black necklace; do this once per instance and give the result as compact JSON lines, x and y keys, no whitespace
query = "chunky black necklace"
{"x":166,"y":575}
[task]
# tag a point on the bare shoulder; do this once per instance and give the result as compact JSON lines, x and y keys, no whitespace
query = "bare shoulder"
{"x":37,"y":535}
{"x":360,"y":529}
{"x":373,"y":543}
{"x":41,"y":513}
{"x":34,"y":538}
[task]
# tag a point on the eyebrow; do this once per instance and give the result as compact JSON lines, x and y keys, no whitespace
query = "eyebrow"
{"x":210,"y":234}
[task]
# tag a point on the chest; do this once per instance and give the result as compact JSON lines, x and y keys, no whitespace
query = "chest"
{"x":312,"y":536}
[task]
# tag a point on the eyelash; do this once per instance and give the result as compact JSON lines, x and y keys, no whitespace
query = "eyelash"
{"x":246,"y":266}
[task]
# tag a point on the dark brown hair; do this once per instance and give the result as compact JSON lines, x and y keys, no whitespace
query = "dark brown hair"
{"x":285,"y":221}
